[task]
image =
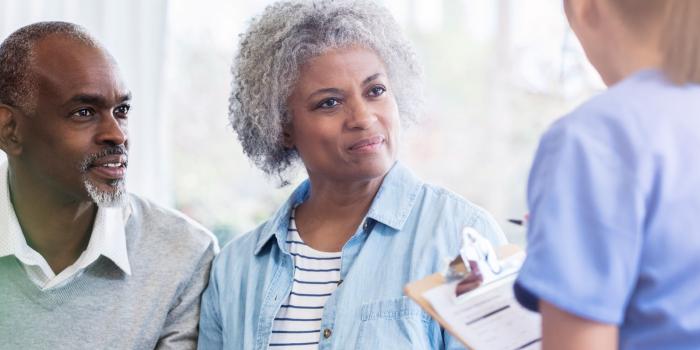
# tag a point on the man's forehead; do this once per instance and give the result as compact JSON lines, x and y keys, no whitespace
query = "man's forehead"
{"x":68,"y":66}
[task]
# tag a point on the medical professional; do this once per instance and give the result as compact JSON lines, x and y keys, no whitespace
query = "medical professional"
{"x":614,"y":191}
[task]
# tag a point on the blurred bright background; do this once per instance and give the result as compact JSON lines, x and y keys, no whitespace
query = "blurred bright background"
{"x":498,"y":72}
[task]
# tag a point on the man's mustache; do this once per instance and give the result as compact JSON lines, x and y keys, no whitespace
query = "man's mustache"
{"x":109,"y":151}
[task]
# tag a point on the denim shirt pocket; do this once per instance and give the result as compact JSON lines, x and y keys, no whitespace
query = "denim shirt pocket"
{"x":397,"y":323}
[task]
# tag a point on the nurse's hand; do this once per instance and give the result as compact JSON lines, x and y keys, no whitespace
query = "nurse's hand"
{"x":472,"y":281}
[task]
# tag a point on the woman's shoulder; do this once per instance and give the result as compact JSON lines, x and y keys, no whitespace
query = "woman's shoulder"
{"x":624,"y":124}
{"x":239,"y":253}
{"x":245,"y":242}
{"x":449,"y":198}
{"x":607,"y":124}
{"x":243,"y":250}
{"x":627,"y":109}
{"x":452,"y":209}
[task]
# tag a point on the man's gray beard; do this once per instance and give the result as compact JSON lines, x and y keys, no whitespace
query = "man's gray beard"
{"x":114,"y":198}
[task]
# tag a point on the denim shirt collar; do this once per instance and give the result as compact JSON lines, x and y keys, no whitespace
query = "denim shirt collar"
{"x":391,"y":205}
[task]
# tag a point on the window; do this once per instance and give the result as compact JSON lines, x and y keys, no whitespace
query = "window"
{"x":497,"y":73}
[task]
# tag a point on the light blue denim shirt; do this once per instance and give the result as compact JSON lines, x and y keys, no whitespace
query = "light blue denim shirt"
{"x":410,"y":228}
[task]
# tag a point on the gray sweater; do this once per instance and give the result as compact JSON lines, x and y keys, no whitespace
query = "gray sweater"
{"x":157,"y":306}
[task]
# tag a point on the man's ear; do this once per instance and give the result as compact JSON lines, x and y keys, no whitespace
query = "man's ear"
{"x":10,"y":140}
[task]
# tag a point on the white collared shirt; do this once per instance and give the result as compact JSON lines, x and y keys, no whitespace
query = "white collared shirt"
{"x":107,"y":238}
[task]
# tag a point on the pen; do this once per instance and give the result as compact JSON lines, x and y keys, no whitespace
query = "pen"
{"x":520,"y":222}
{"x":517,"y":222}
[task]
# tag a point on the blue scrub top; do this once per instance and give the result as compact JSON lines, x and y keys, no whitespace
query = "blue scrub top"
{"x":614,"y":199}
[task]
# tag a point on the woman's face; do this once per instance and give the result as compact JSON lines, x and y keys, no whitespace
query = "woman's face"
{"x":345,"y":120}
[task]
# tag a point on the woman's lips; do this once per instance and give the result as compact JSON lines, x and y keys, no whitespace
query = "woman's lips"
{"x":367,"y":145}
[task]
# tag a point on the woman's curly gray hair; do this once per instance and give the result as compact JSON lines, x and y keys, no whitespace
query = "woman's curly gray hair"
{"x":281,"y":40}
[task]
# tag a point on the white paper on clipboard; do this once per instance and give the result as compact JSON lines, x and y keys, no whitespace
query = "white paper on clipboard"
{"x":489,"y":317}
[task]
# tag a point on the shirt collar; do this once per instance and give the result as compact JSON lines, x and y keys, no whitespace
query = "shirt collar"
{"x":108,"y":235}
{"x":391,"y":205}
{"x":279,"y":222}
{"x":396,"y":197}
{"x":9,"y":226}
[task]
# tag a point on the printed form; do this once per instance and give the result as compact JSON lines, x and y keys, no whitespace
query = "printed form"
{"x":489,"y":317}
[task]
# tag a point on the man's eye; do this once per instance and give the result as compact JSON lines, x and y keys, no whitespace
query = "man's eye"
{"x":377,"y":91}
{"x":329,"y":103}
{"x":83,"y":113}
{"x":122,"y":110}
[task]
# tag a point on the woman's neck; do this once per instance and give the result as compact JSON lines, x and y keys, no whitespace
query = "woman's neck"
{"x":636,"y":60}
{"x":334,"y":211}
{"x":630,"y":52}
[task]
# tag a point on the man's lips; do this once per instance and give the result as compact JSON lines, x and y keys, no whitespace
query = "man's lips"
{"x":112,"y":167}
{"x":367,"y":144}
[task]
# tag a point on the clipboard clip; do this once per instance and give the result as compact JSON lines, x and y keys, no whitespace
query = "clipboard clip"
{"x":476,"y":247}
{"x":457,"y":270}
{"x":479,"y":255}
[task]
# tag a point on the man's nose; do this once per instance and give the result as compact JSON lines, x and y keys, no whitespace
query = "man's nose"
{"x":112,"y":131}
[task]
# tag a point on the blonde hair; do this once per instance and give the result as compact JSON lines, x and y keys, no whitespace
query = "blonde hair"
{"x":679,"y":26}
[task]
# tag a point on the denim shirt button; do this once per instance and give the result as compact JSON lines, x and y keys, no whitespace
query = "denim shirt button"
{"x":327,"y":333}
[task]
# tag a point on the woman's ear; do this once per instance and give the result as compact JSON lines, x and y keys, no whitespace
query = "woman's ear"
{"x":583,"y":12}
{"x":287,"y":135}
{"x":590,"y":12}
{"x":10,"y":140}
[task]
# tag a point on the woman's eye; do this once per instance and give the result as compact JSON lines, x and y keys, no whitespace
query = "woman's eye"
{"x":377,"y":91}
{"x":329,"y":103}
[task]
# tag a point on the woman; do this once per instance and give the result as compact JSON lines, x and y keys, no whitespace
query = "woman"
{"x":329,"y":83}
{"x":614,"y":192}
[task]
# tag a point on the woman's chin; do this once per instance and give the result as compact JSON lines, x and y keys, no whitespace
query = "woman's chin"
{"x":370,"y":170}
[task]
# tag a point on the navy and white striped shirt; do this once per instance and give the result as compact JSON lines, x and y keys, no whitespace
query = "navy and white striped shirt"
{"x":316,"y":276}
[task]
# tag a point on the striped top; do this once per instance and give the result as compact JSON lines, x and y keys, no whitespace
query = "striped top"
{"x":316,"y":276}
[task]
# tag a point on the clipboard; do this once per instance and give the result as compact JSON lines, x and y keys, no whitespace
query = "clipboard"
{"x":415,"y":290}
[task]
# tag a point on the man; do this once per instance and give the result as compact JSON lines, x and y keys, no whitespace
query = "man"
{"x":84,"y":264}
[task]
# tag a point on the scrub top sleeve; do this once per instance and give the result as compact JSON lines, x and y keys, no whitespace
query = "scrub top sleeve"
{"x":584,"y":237}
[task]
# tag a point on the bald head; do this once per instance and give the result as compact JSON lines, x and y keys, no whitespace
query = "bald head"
{"x":18,"y":83}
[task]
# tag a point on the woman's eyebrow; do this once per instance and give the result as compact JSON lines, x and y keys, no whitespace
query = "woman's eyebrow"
{"x":371,"y":77}
{"x":339,"y":91}
{"x":325,"y":91}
